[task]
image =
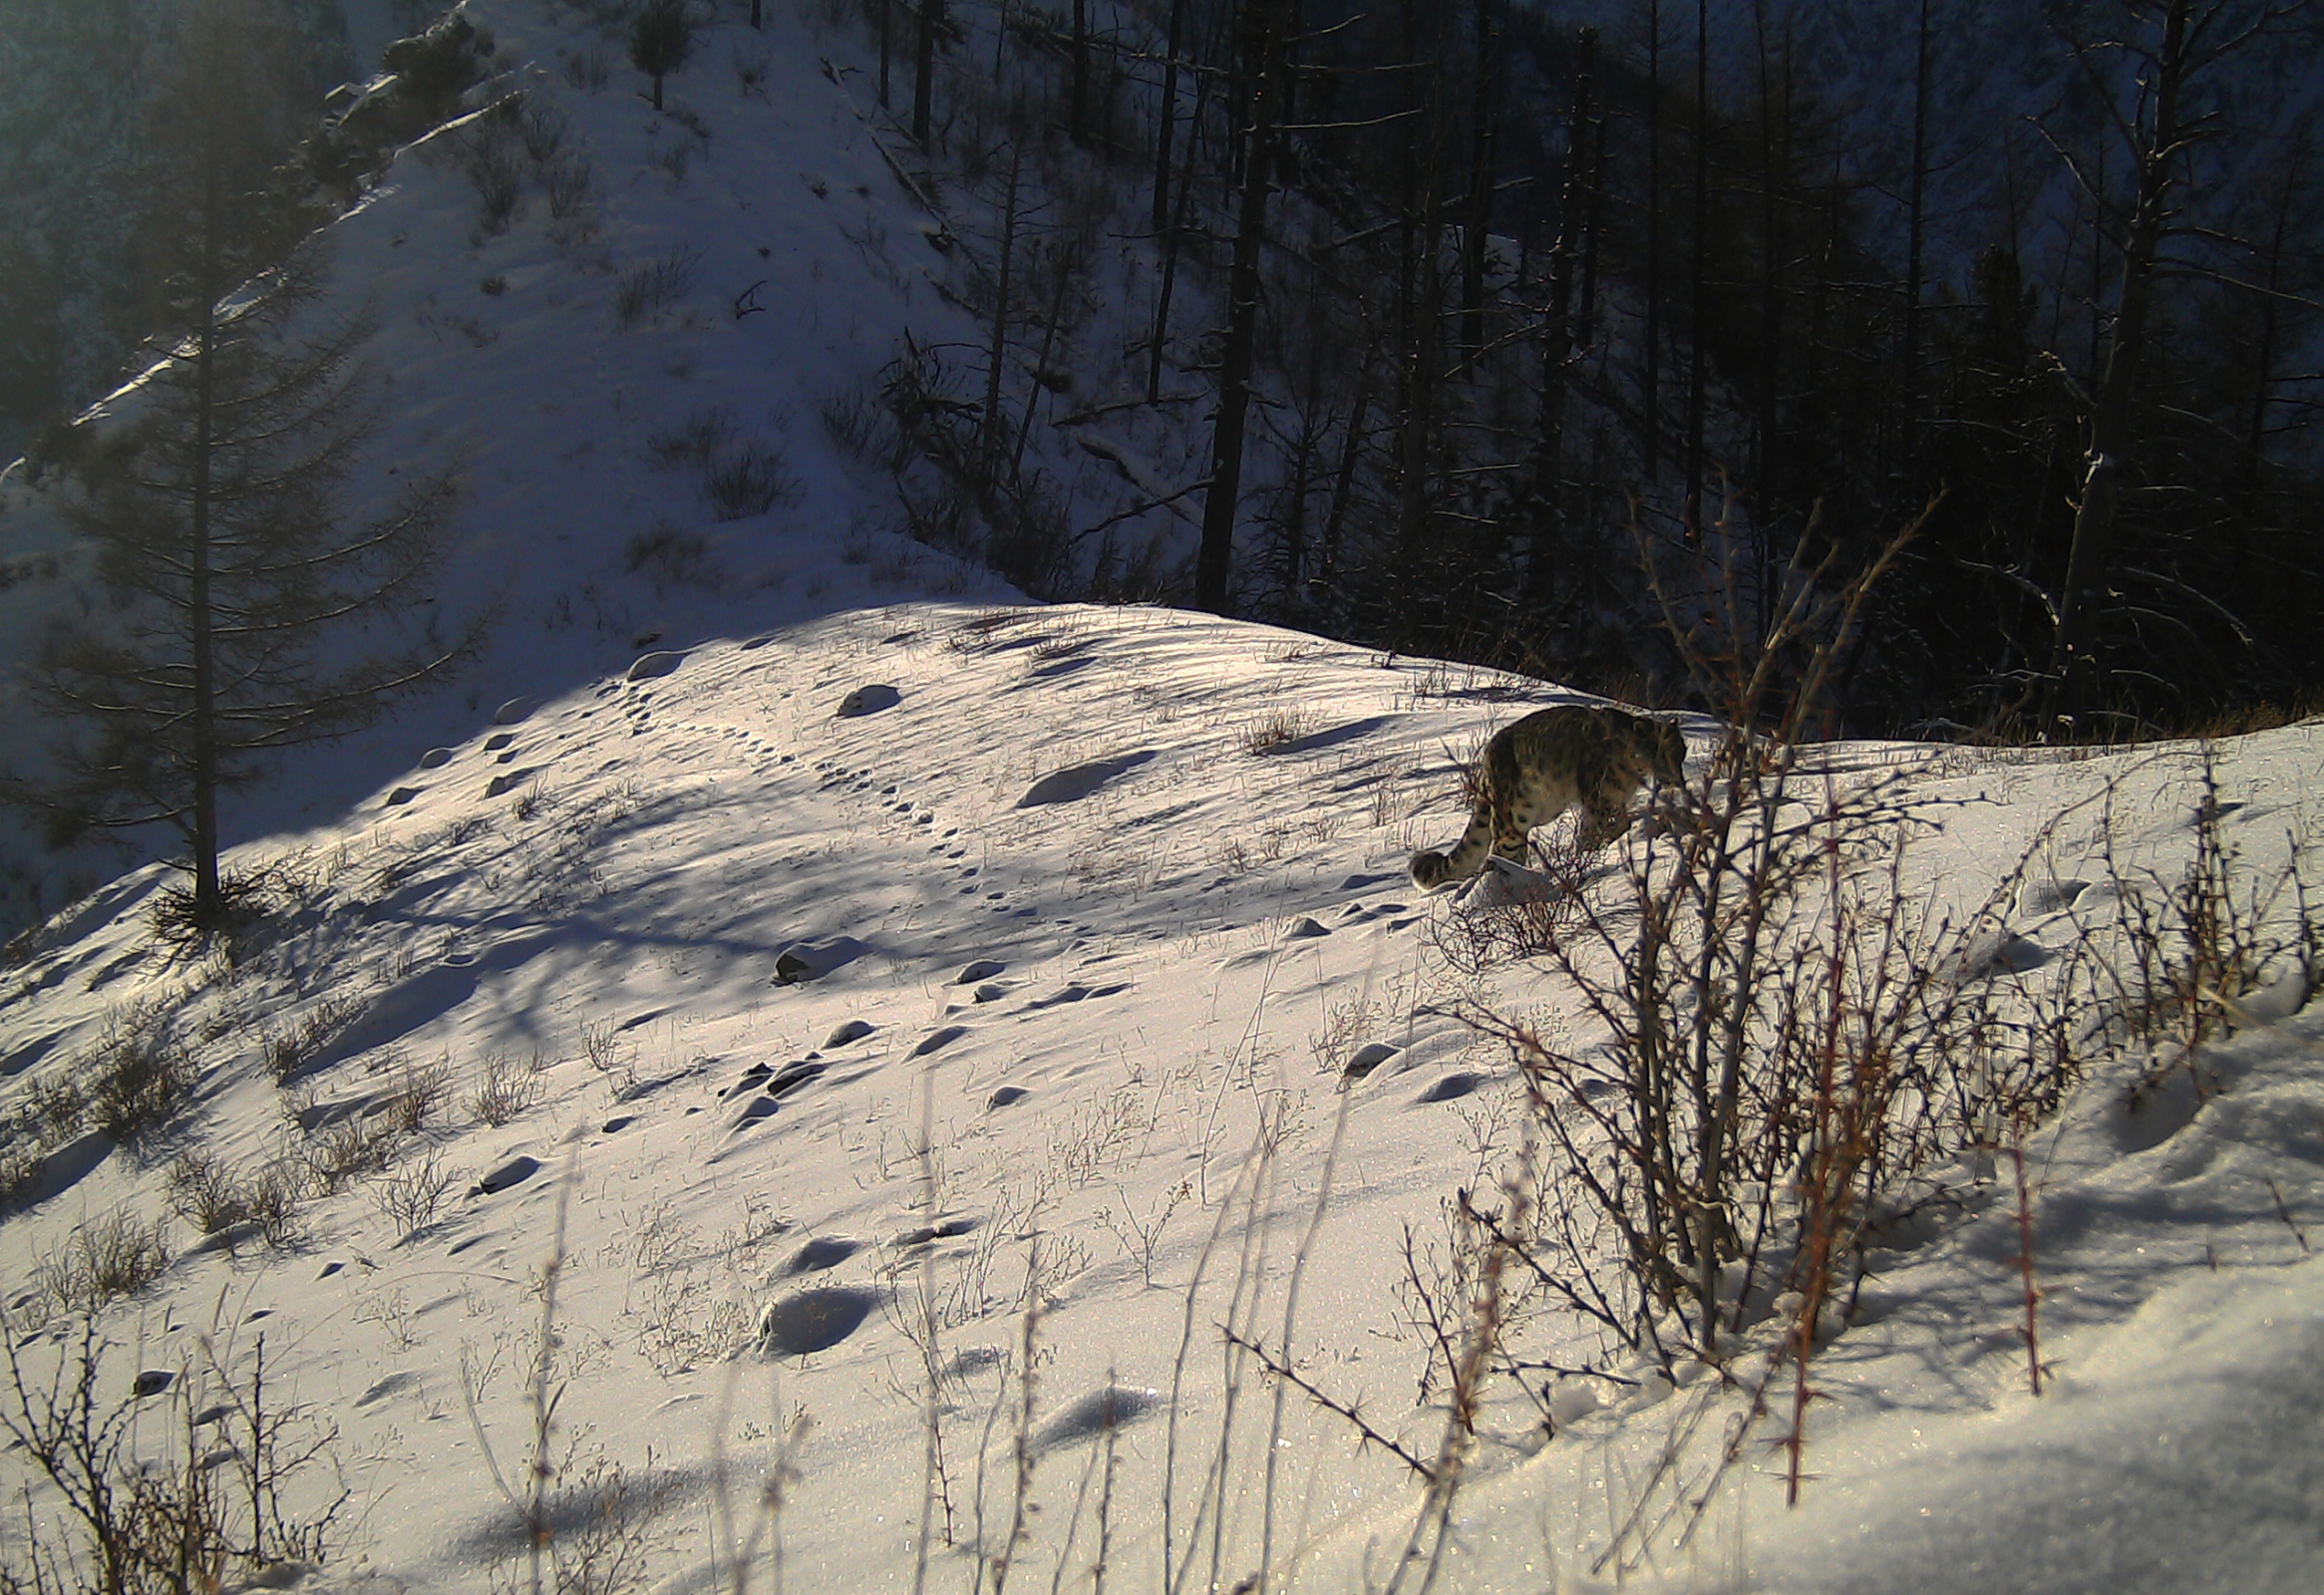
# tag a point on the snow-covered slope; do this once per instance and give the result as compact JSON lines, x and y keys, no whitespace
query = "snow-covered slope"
{"x":1095,"y":905}
{"x":898,"y":1012}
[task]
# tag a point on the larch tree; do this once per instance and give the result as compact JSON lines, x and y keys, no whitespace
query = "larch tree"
{"x":237,"y":609}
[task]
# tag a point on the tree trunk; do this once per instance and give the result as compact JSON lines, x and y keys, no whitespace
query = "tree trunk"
{"x":210,"y":902}
{"x":1077,"y":125}
{"x":925,"y":69}
{"x":1268,"y":22}
{"x":1697,"y":316}
{"x":1173,"y":237}
{"x":1652,"y":399}
{"x":1483,"y":139}
{"x":1917,"y":206}
{"x":996,"y":431}
{"x":2076,"y":670}
{"x":1166,"y":124}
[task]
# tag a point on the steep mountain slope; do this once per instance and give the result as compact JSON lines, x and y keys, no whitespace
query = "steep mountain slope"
{"x":853,"y":1040}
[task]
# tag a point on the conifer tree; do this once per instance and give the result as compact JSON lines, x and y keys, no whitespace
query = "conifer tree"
{"x":237,"y":609}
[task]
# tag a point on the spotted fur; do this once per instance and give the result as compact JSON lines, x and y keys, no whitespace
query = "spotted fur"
{"x":1548,"y":762}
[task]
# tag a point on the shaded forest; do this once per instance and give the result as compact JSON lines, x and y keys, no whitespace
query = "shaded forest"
{"x":1508,"y":336}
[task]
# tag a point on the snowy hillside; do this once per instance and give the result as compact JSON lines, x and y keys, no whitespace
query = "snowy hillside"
{"x":802,"y":1071}
{"x":1098,"y":905}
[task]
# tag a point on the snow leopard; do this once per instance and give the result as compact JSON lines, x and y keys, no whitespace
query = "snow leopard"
{"x":1550,"y":762}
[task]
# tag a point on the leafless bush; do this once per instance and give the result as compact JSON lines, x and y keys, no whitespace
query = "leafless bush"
{"x":704,"y":436}
{"x":649,"y":288}
{"x":566,"y":181}
{"x":20,"y":1167}
{"x":602,"y":1050}
{"x":289,"y":1052}
{"x":410,"y":1196}
{"x":490,"y":157}
{"x":139,"y":1076}
{"x":206,"y":1192}
{"x":215,"y":1198}
{"x":589,"y":68}
{"x":507,"y":1089}
{"x":1506,"y":919}
{"x":349,"y":1149}
{"x":103,"y":1258}
{"x":751,"y":67}
{"x":420,"y":1097}
{"x":542,"y":127}
{"x":198,"y":1517}
{"x":676,"y":558}
{"x":750,"y":478}
{"x":2195,"y":946}
{"x":864,"y":428}
{"x":1274,"y":728}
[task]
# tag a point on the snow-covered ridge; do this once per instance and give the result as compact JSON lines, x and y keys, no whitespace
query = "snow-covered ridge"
{"x":1099,"y":903}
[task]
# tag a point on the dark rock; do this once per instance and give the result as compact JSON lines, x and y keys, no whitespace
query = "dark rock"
{"x":792,"y":1077}
{"x":1100,"y":1409}
{"x":1451,"y":1088}
{"x":828,"y":1251}
{"x":654,"y":666}
{"x":516,"y":1171}
{"x":151,"y":1381}
{"x":1077,"y":781}
{"x":849,"y":1031}
{"x":869,"y":700}
{"x":1007,"y":1096}
{"x":812,"y":1320}
{"x":941,"y":1229}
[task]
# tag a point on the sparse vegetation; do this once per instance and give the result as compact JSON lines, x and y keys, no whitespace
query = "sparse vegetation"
{"x":410,"y":1196}
{"x":507,"y":1088}
{"x":102,"y":1259}
{"x":652,"y":286}
{"x":206,"y":1512}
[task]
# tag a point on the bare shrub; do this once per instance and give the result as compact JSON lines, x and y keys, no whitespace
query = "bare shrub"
{"x":290,"y":1052}
{"x":864,"y":428}
{"x":21,"y":1165}
{"x":567,"y":182}
{"x":698,"y":442}
{"x":601,"y":1049}
{"x":589,"y":68}
{"x":506,"y":1089}
{"x":750,"y":478}
{"x":103,"y":1258}
{"x":2193,"y":946}
{"x":60,"y":1106}
{"x":421,"y":1095}
{"x":1275,"y":728}
{"x":491,"y":160}
{"x":410,"y":1196}
{"x":215,"y":1198}
{"x":653,"y":286}
{"x":197,"y":1515}
{"x":751,"y":67}
{"x":348,"y":1148}
{"x":542,"y":127}
{"x":140,"y":1076}
{"x":673,"y":557}
{"x":206,"y":1192}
